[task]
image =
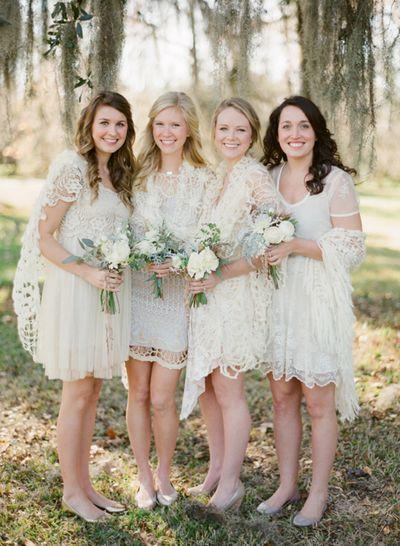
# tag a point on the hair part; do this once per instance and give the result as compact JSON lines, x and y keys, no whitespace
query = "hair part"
{"x":122,"y":163}
{"x":245,"y":108}
{"x":325,"y":152}
{"x":150,"y":155}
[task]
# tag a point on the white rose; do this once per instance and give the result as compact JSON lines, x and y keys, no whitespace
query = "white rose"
{"x":209,"y":259}
{"x":146,"y":247}
{"x":272,"y":235}
{"x":195,"y":266}
{"x":119,"y":254}
{"x":287,"y":230}
{"x":261,"y":225}
{"x":176,"y":262}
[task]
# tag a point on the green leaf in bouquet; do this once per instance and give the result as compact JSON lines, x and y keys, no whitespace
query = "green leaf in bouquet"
{"x":72,"y":259}
{"x":88,"y":242}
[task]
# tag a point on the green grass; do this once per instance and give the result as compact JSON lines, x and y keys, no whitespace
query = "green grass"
{"x":364,"y":489}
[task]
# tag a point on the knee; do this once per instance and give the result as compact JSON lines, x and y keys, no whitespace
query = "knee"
{"x":286,"y":403}
{"x":86,"y":398}
{"x":162,"y":403}
{"x":320,"y":408}
{"x":229,"y":398}
{"x":140,"y":394}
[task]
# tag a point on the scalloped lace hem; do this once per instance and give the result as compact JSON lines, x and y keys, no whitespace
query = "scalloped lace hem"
{"x":167,"y":359}
{"x":319,"y":380}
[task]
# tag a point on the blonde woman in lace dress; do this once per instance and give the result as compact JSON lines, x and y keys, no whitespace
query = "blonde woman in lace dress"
{"x":227,"y":336}
{"x":173,"y":175}
{"x":311,"y":314}
{"x":87,"y":194}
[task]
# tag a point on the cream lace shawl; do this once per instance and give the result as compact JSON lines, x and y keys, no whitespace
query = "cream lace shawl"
{"x":64,"y":182}
{"x":342,"y":251}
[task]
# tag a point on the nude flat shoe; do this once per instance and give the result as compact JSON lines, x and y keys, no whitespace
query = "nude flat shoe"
{"x":145,"y":502}
{"x":265,"y":508}
{"x":233,"y":503}
{"x":167,"y":500}
{"x":68,"y":508}
{"x":113,"y":509}
{"x":198,"y":490}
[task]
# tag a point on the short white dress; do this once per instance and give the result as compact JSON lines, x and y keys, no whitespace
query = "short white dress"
{"x":64,"y":327}
{"x":159,"y":326}
{"x":229,"y":332}
{"x":309,"y":310}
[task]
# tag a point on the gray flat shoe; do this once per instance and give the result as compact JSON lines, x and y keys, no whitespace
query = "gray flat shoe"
{"x":265,"y":508}
{"x":301,"y":521}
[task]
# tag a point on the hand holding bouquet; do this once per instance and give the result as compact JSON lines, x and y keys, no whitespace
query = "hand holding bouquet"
{"x":157,"y":246}
{"x":202,"y":260}
{"x":111,"y":253}
{"x":268,"y":228}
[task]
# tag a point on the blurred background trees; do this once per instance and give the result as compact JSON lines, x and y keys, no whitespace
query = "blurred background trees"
{"x":344,"y":54}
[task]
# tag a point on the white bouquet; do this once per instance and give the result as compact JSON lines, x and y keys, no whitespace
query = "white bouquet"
{"x":157,"y":245}
{"x":109,"y":252}
{"x":268,"y":228}
{"x":202,"y":260}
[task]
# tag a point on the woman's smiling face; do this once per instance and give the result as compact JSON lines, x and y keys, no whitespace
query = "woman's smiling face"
{"x":233,"y":134}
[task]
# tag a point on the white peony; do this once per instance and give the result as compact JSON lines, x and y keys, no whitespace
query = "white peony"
{"x":287,"y":230}
{"x":151,"y":235}
{"x":148,"y":248}
{"x":195,"y":266}
{"x":209,"y":260}
{"x":272,"y":235}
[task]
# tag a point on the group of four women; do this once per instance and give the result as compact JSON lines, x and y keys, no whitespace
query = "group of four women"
{"x":299,"y":334}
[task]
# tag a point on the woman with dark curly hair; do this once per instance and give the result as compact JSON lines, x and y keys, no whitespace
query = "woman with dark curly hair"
{"x":311,"y":323}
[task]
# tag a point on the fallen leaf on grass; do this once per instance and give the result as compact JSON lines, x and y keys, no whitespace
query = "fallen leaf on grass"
{"x":386,"y":530}
{"x":358,"y":473}
{"x":111,"y":433}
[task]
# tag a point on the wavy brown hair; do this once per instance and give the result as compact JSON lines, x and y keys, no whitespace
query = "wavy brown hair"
{"x":122,"y":163}
{"x":325,"y":152}
{"x":150,"y":154}
{"x":245,"y":108}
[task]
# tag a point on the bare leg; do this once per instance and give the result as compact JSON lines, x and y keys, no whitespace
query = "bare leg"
{"x":212,"y":416}
{"x":78,"y":397}
{"x":236,"y":420}
{"x":166,"y":422}
{"x":287,"y":430}
{"x":138,"y":419}
{"x":322,"y":410}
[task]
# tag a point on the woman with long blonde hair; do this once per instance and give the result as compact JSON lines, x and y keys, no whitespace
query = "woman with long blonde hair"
{"x":227,"y":336}
{"x":87,"y":194}
{"x":173,"y":175}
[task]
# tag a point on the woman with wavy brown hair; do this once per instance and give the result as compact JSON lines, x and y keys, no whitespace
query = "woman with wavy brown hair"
{"x":311,"y":321}
{"x":87,"y":195}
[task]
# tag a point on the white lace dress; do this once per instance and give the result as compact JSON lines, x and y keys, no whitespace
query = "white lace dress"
{"x":64,"y":327}
{"x":229,"y":332}
{"x":307,"y":341}
{"x":159,"y":326}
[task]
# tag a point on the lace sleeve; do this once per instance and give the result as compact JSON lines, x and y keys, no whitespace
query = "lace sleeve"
{"x":343,"y":199}
{"x":263,"y":189}
{"x":64,"y":182}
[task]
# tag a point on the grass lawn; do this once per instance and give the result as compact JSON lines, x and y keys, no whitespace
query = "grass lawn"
{"x":364,"y":492}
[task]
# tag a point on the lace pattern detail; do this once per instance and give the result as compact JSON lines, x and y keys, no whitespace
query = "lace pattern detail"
{"x":167,"y":359}
{"x":230,"y":332}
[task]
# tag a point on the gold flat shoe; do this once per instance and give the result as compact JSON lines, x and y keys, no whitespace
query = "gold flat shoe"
{"x":233,"y":503}
{"x":68,"y":508}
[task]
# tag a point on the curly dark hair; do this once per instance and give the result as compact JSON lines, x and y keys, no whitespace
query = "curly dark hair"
{"x":325,"y":154}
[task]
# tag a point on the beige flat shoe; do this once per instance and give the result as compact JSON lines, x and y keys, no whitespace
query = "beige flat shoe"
{"x":265,"y":508}
{"x":144,"y":500}
{"x":233,"y":503}
{"x":199,"y":490}
{"x":68,"y":508}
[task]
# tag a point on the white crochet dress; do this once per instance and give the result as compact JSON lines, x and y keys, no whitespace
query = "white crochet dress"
{"x":159,"y":326}
{"x":308,"y":341}
{"x":64,"y":328}
{"x":229,"y":332}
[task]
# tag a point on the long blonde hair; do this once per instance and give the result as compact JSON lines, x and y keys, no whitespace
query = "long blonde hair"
{"x":245,"y":108}
{"x":122,"y":163}
{"x":149,"y":158}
